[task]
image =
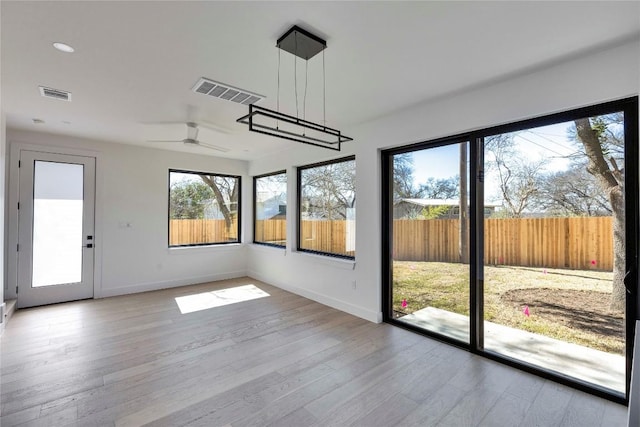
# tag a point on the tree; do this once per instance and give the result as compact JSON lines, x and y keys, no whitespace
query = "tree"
{"x":403,"y":184}
{"x":573,"y":192}
{"x":601,"y":139}
{"x":188,"y":199}
{"x":434,"y":212}
{"x":463,"y":235}
{"x":518,"y":177}
{"x":225,"y":191}
{"x":329,"y":191}
{"x":441,"y":188}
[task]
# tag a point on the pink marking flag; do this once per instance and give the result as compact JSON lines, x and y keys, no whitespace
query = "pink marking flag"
{"x":593,"y":262}
{"x":525,"y":310}
{"x":404,"y":303}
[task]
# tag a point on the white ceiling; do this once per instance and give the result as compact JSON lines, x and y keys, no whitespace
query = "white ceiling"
{"x":136,"y":62}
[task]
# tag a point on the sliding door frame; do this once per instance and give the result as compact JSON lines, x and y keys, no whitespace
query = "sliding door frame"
{"x":387,"y":238}
{"x":476,"y":235}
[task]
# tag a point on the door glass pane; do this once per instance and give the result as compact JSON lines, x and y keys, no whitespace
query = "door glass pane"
{"x":554,"y":248}
{"x":431,"y":240}
{"x":57,"y":223}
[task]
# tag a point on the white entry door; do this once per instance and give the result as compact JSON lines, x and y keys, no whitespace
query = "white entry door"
{"x":56,"y":223}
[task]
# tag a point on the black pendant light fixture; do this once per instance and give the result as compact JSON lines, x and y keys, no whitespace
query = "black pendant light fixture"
{"x":305,"y":45}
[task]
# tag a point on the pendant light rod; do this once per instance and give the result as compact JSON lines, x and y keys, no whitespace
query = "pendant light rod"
{"x":301,"y":44}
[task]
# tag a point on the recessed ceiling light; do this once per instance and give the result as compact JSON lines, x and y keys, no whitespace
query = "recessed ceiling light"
{"x":66,"y":122}
{"x":62,"y":47}
{"x":37,"y":121}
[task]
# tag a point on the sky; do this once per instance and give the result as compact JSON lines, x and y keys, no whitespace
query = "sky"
{"x":548,"y":142}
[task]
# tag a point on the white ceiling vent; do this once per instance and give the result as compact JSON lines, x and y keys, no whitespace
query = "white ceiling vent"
{"x":48,"y":92}
{"x":227,"y":92}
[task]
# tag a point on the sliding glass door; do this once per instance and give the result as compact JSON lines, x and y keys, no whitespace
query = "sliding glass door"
{"x":520,"y":243}
{"x":430,"y":254}
{"x":554,"y":248}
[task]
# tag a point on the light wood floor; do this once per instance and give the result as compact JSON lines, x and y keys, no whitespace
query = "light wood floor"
{"x":281,"y":360}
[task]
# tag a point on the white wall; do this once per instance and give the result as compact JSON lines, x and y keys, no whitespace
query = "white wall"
{"x":325,"y":279}
{"x":598,"y":77}
{"x":132,"y":187}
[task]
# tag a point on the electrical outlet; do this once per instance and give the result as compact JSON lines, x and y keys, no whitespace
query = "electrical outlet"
{"x":353,"y":284}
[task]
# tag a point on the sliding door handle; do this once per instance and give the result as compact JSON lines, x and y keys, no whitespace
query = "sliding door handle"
{"x":630,"y":280}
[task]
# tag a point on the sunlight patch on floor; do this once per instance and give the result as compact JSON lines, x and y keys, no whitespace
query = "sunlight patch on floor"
{"x":206,"y":300}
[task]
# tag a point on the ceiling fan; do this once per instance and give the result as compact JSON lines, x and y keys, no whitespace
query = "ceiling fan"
{"x":192,"y":138}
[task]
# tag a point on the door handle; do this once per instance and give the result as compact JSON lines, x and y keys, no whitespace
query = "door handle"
{"x":628,"y":280}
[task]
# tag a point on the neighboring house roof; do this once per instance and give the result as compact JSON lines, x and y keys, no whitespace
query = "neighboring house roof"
{"x":273,"y":207}
{"x":438,"y":202}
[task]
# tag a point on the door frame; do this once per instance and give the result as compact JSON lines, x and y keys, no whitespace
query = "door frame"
{"x":11,"y":213}
{"x":476,"y":138}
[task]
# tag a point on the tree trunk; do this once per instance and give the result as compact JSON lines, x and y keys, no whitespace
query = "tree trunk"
{"x":618,"y":292}
{"x":228,"y":219}
{"x":612,"y":183}
{"x":463,"y":223}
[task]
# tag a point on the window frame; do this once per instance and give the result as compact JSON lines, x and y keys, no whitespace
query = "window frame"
{"x":299,"y":171}
{"x":255,"y":205}
{"x":209,"y":244}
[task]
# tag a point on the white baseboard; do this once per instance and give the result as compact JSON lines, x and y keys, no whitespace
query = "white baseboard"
{"x":7,"y":310}
{"x":371,"y":316}
{"x":3,"y":317}
{"x":155,"y":286}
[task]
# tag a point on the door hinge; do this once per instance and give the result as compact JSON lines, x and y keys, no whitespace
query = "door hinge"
{"x":19,"y":163}
{"x":18,"y":247}
{"x":16,"y":290}
{"x":18,"y":205}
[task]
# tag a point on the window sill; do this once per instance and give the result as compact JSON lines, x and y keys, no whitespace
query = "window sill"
{"x":186,"y":250}
{"x":267,"y":248}
{"x":341,"y":263}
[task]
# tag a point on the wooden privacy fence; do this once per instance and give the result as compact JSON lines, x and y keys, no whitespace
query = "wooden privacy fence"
{"x":198,"y":231}
{"x":271,"y":231}
{"x":579,"y":243}
{"x":336,"y":237}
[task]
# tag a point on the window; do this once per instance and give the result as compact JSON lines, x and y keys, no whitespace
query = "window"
{"x":204,"y":208}
{"x":270,"y":209}
{"x":327,"y":208}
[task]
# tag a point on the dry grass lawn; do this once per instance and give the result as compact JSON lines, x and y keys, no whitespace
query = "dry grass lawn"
{"x":570,"y":305}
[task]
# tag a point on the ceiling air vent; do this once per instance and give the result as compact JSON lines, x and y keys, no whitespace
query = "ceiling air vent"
{"x":226,"y":92}
{"x":48,"y":92}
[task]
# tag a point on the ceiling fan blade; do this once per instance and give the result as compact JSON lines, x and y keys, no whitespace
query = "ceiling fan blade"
{"x":163,"y":140}
{"x":216,"y":128}
{"x":214,"y":147}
